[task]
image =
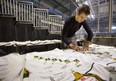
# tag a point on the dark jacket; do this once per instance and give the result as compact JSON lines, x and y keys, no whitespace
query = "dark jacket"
{"x":70,"y":28}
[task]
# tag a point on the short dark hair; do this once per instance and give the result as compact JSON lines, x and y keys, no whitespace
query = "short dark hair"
{"x":84,"y":9}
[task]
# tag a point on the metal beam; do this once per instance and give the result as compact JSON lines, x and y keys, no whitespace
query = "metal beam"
{"x":57,"y":6}
{"x":110,"y":16}
{"x":61,"y":5}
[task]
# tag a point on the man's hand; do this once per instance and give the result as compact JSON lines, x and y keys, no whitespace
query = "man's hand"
{"x":86,"y":46}
{"x":74,"y":47}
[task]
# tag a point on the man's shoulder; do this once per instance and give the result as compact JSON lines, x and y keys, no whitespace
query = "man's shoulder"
{"x":70,"y":18}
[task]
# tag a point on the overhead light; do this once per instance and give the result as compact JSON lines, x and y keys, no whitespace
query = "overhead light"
{"x":77,"y":0}
{"x":113,"y":27}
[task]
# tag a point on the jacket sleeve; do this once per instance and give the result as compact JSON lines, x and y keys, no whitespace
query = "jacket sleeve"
{"x":88,"y":30}
{"x":65,"y":31}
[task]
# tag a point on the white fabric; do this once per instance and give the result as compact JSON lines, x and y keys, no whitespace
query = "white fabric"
{"x":59,"y":71}
{"x":30,"y":43}
{"x":11,"y":67}
{"x":55,"y":70}
{"x":41,"y":70}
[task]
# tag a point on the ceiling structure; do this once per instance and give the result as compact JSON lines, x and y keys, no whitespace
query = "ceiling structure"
{"x":65,"y":7}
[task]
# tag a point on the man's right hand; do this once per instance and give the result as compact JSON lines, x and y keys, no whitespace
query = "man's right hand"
{"x":74,"y":47}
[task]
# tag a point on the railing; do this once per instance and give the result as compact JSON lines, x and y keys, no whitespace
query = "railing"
{"x":8,"y":7}
{"x":41,"y":18}
{"x":63,"y":23}
{"x":56,"y":24}
{"x":24,"y":11}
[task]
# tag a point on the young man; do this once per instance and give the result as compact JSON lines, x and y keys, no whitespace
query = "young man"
{"x":73,"y":24}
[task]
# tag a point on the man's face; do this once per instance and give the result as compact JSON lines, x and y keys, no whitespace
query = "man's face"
{"x":81,"y":17}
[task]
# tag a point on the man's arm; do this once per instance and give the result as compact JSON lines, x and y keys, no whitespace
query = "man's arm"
{"x":66,"y":29}
{"x":65,"y":32}
{"x":88,"y":30}
{"x":89,"y":38}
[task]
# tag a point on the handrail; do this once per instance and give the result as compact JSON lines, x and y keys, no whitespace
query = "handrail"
{"x":8,"y":7}
{"x":41,"y":18}
{"x":56,"y":24}
{"x":24,"y":11}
